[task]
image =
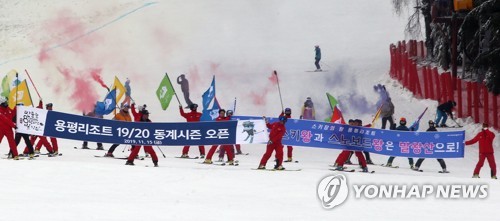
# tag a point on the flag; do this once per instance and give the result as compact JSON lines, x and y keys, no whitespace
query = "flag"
{"x":416,"y":124}
{"x":108,"y":105}
{"x":9,"y":81}
{"x":337,"y":113}
{"x":377,"y":115}
{"x":165,"y":92}
{"x":120,"y":89}
{"x":23,"y":95}
{"x":210,"y":104}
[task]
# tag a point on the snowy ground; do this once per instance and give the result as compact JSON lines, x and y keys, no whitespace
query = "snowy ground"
{"x":240,"y":42}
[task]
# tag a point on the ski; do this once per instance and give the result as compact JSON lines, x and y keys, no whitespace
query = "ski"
{"x":286,"y":161}
{"x":45,"y":154}
{"x":191,"y":158}
{"x":118,"y":158}
{"x":318,"y":71}
{"x":224,"y":164}
{"x":395,"y":167}
{"x":417,"y":170}
{"x":443,"y":171}
{"x":277,"y":170}
{"x":360,"y":171}
{"x":344,"y":170}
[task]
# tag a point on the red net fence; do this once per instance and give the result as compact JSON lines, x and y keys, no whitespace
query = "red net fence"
{"x":427,"y":82}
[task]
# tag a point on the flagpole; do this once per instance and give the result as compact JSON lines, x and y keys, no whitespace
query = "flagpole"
{"x":279,"y":90}
{"x":32,"y":83}
{"x":17,"y":86}
{"x":175,"y":93}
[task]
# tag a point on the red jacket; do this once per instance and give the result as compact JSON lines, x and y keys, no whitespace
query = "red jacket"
{"x":192,"y":116}
{"x":277,"y":131}
{"x":485,"y":138}
{"x":137,"y":115}
{"x":222,"y":119}
{"x":6,"y":119}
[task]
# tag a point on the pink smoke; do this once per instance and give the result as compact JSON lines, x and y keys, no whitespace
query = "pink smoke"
{"x":83,"y":94}
{"x":96,"y":75}
{"x":258,"y":97}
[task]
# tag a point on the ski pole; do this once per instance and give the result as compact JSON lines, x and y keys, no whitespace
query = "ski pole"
{"x":124,"y":146}
{"x":279,"y":90}
{"x":161,"y":152}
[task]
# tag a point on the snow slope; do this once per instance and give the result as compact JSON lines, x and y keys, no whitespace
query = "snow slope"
{"x":61,"y":43}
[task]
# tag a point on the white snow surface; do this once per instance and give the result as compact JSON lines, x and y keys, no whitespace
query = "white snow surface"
{"x":241,"y":43}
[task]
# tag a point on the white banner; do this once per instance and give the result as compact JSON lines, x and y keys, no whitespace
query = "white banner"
{"x":30,"y":120}
{"x":251,"y":132}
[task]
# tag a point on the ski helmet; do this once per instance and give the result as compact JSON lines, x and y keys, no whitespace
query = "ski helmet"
{"x":3,"y":99}
{"x":431,"y":122}
{"x":48,"y":105}
{"x":288,"y":110}
{"x":222,"y":110}
{"x":193,"y":106}
{"x":229,"y":112}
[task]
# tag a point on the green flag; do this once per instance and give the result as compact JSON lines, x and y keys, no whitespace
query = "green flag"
{"x":165,"y":92}
{"x":332,"y":100}
{"x":5,"y":86}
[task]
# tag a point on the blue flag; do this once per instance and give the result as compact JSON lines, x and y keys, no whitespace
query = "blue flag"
{"x":210,"y":105}
{"x":108,"y":105}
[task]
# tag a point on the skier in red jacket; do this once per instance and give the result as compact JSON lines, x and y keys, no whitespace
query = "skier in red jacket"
{"x":485,"y":139}
{"x":275,"y":136}
{"x":228,"y":149}
{"x":345,"y":154}
{"x":148,"y":149}
{"x":6,"y":125}
{"x":288,"y":115}
{"x":193,"y":116}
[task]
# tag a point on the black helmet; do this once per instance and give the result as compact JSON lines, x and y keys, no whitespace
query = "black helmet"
{"x":49,"y":105}
{"x":288,"y":110}
{"x":193,"y":106}
{"x":431,"y":122}
{"x":222,"y":110}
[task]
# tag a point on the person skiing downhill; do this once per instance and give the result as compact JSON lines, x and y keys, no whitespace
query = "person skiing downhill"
{"x":278,"y":129}
{"x":317,"y":57}
{"x":432,"y":127}
{"x":193,"y":116}
{"x":288,"y":115}
{"x":485,"y":138}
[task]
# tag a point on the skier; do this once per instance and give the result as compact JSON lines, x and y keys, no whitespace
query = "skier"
{"x":441,"y":161}
{"x":6,"y":126}
{"x":359,"y":123}
{"x":138,"y":118}
{"x":193,"y":116}
{"x":402,"y":127}
{"x":308,"y":112}
{"x":288,"y":115}
{"x":226,"y":148}
{"x":148,"y":149}
{"x":123,"y":115}
{"x":387,"y":112}
{"x":229,"y":114}
{"x":443,"y":111}
{"x":274,"y":144}
{"x":346,"y":153}
{"x":94,"y":115}
{"x":317,"y":57}
{"x":485,"y":138}
{"x":128,"y":93}
{"x":53,"y":140}
{"x":42,"y":140}
{"x":185,"y":88}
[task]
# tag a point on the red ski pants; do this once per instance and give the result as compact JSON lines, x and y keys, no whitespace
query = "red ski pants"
{"x":491,"y":161}
{"x":269,"y":151}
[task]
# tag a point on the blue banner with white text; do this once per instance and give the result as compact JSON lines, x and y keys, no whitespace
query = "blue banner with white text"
{"x":416,"y":144}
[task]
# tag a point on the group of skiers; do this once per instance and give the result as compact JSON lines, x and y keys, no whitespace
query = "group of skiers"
{"x":8,"y":124}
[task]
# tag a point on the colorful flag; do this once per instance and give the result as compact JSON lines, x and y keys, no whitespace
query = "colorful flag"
{"x":337,"y":113}
{"x":210,"y":104}
{"x":23,"y":95}
{"x":120,"y":89}
{"x":108,"y":105}
{"x":377,"y":116}
{"x":8,"y":82}
{"x":165,"y":92}
{"x":416,"y":124}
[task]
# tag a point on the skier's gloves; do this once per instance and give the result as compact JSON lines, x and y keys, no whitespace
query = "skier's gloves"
{"x":269,"y":142}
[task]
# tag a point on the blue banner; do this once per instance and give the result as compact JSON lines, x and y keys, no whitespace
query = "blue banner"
{"x":386,"y":142}
{"x":76,"y":127}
